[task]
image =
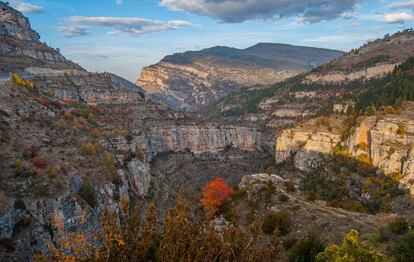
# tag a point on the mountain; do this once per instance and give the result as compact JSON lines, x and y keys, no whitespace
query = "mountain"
{"x":373,"y":59}
{"x":310,"y":93}
{"x":195,"y":79}
{"x":21,"y":50}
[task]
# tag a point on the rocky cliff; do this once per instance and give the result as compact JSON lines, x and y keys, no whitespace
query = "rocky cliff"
{"x":21,"y":50}
{"x":386,"y":141}
{"x":193,"y":80}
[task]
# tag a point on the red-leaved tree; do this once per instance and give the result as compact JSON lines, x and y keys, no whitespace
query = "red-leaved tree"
{"x":215,"y":193}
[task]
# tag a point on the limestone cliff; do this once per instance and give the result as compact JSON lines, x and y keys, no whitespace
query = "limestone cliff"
{"x":386,"y":141}
{"x":193,"y":80}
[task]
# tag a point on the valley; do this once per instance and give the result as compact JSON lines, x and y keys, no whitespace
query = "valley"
{"x":270,"y":153}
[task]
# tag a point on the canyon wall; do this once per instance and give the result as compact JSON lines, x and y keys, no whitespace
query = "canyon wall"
{"x":386,"y":141}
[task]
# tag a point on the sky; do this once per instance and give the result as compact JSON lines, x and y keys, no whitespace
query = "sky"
{"x":122,"y":36}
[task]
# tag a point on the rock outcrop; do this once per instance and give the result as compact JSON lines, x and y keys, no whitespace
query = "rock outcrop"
{"x":193,"y":80}
{"x":21,"y":50}
{"x":386,"y":141}
{"x":92,"y":88}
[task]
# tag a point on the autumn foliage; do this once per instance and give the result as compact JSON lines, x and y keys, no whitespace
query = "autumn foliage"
{"x":215,"y":194}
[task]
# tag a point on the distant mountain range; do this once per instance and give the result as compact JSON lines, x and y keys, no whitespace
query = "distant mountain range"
{"x":195,"y":79}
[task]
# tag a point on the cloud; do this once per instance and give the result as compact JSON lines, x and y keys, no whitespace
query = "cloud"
{"x":402,"y":5}
{"x":73,"y":30}
{"x":129,"y":26}
{"x":398,"y":18}
{"x":119,"y":2}
{"x":234,"y":11}
{"x":28,"y":8}
{"x":341,"y":38}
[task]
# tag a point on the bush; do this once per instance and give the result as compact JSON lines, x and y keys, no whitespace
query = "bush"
{"x":350,"y":250}
{"x":280,"y":221}
{"x":290,"y":186}
{"x":306,"y":249}
{"x":283,"y":198}
{"x":399,"y":226}
{"x":18,"y":167}
{"x":404,"y":249}
{"x":402,"y":130}
{"x":40,"y":162}
{"x":17,"y":80}
{"x":19,"y":204}
{"x":88,"y":193}
{"x":89,"y":149}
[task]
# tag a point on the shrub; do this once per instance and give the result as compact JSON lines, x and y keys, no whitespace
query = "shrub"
{"x":402,"y":130}
{"x":215,"y":194}
{"x":19,"y":204}
{"x":18,"y":167}
{"x":17,"y":80}
{"x":110,"y":163}
{"x":399,"y":226}
{"x":283,"y":198}
{"x":350,"y":250}
{"x":88,"y":193}
{"x":404,"y":249}
{"x":306,"y":249}
{"x":279,"y":221}
{"x":40,"y":162}
{"x":52,"y":171}
{"x":290,"y":186}
{"x":90,"y":149}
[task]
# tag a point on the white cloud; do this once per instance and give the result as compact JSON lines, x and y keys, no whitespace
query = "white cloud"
{"x":73,"y":30}
{"x":398,"y":17}
{"x":233,"y":11}
{"x":341,"y":38}
{"x":128,"y":26}
{"x":27,"y":8}
{"x":401,"y":5}
{"x":119,"y":2}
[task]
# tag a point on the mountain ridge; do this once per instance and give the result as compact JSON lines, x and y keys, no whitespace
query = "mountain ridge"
{"x":194,"y":79}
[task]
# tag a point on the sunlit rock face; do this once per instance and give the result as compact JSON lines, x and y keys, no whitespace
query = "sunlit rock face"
{"x":193,"y":80}
{"x":387,"y":141}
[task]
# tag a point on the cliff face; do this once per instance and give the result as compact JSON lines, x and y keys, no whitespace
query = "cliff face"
{"x":92,"y":88}
{"x":387,"y":141}
{"x":305,"y":144}
{"x":21,"y":50}
{"x":196,"y":139}
{"x":193,"y":80}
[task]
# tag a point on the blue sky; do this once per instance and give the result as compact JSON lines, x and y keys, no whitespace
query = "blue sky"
{"x":122,"y":36}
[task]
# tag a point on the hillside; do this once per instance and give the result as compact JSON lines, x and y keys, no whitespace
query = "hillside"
{"x":21,"y":50}
{"x":195,"y":79}
{"x":311,"y":93}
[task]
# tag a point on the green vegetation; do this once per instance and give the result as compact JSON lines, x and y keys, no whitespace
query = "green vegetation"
{"x":399,"y":226}
{"x":307,"y":249}
{"x":391,"y":90}
{"x":404,"y":249}
{"x":276,"y":221}
{"x":347,"y":180}
{"x":350,"y":250}
{"x":88,"y":193}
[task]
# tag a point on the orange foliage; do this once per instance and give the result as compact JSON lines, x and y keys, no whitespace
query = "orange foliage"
{"x":215,"y":194}
{"x":39,"y":161}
